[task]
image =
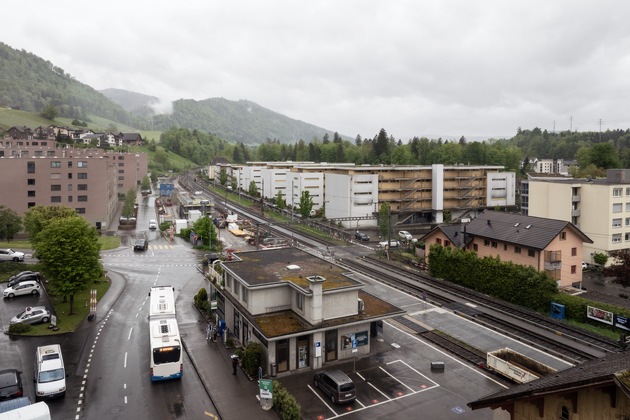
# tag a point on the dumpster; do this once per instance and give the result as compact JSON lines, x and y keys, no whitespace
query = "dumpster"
{"x":274,"y":367}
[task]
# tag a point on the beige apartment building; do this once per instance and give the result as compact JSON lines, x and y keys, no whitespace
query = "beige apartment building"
{"x":598,"y":207}
{"x":38,"y":172}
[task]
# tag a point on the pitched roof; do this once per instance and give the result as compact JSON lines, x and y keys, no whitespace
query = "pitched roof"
{"x":529,"y":231}
{"x":605,"y":370}
{"x":454,"y":233}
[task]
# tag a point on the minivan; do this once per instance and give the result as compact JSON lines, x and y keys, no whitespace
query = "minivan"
{"x":49,"y":372}
{"x":337,"y":385}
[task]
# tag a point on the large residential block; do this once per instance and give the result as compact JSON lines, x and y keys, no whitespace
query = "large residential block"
{"x":40,"y":172}
{"x":598,"y":207}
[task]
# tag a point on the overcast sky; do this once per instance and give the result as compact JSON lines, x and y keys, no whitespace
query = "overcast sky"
{"x":415,"y":68}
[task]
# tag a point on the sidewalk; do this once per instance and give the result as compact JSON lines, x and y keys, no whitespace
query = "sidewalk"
{"x":233,"y":396}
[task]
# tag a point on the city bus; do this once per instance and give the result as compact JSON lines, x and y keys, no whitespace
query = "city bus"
{"x":166,"y":347}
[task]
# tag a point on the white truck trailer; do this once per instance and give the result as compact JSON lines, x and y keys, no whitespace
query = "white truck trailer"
{"x":517,"y":366}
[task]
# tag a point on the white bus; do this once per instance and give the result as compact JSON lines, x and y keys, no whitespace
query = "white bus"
{"x":166,"y":346}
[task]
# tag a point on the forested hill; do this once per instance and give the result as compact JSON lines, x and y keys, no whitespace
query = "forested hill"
{"x":30,"y":83}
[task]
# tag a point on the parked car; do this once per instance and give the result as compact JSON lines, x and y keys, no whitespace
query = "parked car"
{"x":392,"y":244}
{"x":153,"y":224}
{"x":27,"y":287}
{"x":141,"y":245}
{"x":337,"y":385}
{"x":10,"y":384}
{"x":405,"y":236}
{"x":31,"y":315}
{"x":23,"y":276}
{"x":10,"y":255}
{"x":360,"y":236}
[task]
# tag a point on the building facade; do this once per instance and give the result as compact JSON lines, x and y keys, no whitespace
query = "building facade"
{"x":37,"y":172}
{"x":598,"y":207}
{"x":304,"y":310}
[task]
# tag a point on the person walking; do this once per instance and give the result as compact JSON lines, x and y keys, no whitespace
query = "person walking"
{"x":214,"y":335}
{"x":208,"y":331}
{"x":234,"y":364}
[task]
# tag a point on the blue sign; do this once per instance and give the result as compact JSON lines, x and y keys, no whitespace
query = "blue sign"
{"x":622,"y":322}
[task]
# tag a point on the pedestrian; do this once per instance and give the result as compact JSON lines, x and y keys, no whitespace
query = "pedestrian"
{"x":214,"y":335}
{"x":234,"y":364}
{"x":208,"y":331}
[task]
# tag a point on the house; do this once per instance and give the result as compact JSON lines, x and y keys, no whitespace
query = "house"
{"x":305,"y":311}
{"x":598,"y":389}
{"x":131,"y":139}
{"x":550,"y":245}
{"x":20,"y":133}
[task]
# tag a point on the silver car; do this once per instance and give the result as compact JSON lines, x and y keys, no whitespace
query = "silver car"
{"x":27,"y":287}
{"x":10,"y":255}
{"x":31,"y":315}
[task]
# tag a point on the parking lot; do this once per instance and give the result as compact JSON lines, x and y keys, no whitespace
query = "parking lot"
{"x":376,"y":385}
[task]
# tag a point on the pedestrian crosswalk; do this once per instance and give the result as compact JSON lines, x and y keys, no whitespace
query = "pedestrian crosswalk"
{"x":161,"y":247}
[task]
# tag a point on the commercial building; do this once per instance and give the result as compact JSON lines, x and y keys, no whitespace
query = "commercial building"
{"x":306,"y":311}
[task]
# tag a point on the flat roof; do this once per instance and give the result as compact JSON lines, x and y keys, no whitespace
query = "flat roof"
{"x":264,"y":267}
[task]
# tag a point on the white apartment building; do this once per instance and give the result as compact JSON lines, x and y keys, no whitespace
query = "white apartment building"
{"x":598,"y":207}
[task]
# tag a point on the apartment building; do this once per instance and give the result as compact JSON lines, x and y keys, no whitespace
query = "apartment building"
{"x":598,"y":207}
{"x":37,"y":172}
{"x":553,"y":246}
{"x":306,"y":311}
{"x":353,"y":194}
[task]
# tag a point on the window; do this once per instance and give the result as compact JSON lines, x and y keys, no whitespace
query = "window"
{"x":55,"y":199}
{"x":82,"y":187}
{"x":244,"y":293}
{"x":31,"y":204}
{"x":81,"y":210}
{"x":517,"y":249}
{"x":69,"y":164}
{"x":505,"y":247}
{"x":617,"y":207}
{"x":617,"y":192}
{"x":82,"y":198}
{"x":50,"y":153}
{"x":30,"y":167}
{"x":31,"y":181}
{"x":616,"y":238}
{"x":39,"y":153}
{"x":573,"y":269}
{"x":82,"y":164}
{"x":121,"y":164}
{"x":616,"y":223}
{"x":486,"y":242}
{"x":627,"y":190}
{"x":30,"y":193}
{"x":55,"y":164}
{"x":70,"y":187}
{"x":447,"y":243}
{"x":299,"y":300}
{"x":627,"y":221}
{"x":563,"y":236}
{"x":438,"y":241}
{"x":69,"y":199}
{"x":627,"y":207}
{"x":55,"y":187}
{"x":627,"y":237}
{"x":82,"y":175}
{"x":475,"y":247}
{"x":531,"y":253}
{"x":573,"y":252}
{"x":494,"y":244}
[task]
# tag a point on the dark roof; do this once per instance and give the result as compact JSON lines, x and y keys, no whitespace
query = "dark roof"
{"x":218,"y":160}
{"x":529,"y":231}
{"x":264,"y":267}
{"x":454,"y":233}
{"x":606,"y":370}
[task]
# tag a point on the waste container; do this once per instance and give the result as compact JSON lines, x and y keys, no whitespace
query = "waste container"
{"x":273,"y":369}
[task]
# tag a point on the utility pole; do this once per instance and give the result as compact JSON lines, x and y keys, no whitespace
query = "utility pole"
{"x":292,"y":195}
{"x":600,"y":130}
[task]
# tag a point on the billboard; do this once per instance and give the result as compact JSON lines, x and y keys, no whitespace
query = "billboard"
{"x":599,"y":315}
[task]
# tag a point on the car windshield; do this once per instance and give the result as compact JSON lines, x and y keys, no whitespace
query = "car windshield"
{"x":50,"y":375}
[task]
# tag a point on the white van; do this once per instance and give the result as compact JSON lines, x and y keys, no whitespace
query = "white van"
{"x":50,"y":374}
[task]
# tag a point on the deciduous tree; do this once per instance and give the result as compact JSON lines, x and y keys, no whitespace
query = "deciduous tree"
{"x":10,"y":223}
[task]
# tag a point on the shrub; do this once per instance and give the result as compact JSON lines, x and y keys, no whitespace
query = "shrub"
{"x":284,"y":403}
{"x":200,"y":301}
{"x":253,"y":357}
{"x":19,"y":328}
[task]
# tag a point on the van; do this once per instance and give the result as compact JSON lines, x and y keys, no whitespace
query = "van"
{"x":49,"y":372}
{"x":337,"y":385}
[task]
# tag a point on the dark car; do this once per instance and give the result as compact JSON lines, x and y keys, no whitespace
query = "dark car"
{"x":337,"y":385}
{"x":360,"y":236}
{"x":141,"y":245}
{"x":23,"y":276}
{"x":10,"y":384}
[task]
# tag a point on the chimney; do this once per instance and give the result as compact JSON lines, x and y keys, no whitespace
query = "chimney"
{"x":315,"y":284}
